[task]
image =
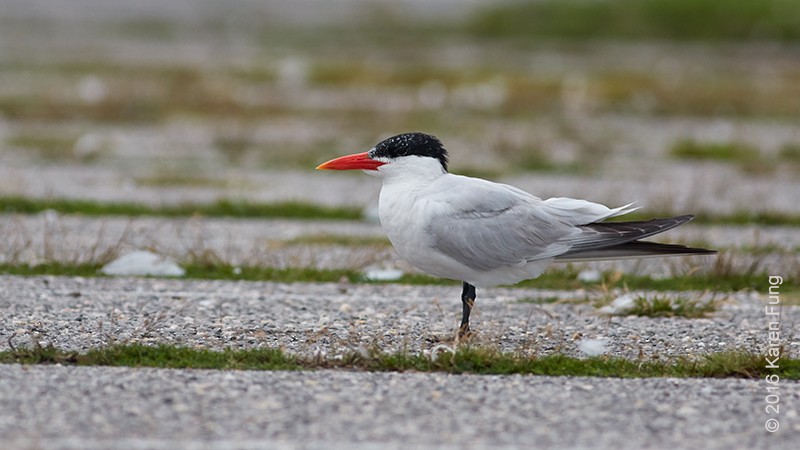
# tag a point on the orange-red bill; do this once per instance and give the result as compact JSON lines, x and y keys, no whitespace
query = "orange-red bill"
{"x":351,"y":162}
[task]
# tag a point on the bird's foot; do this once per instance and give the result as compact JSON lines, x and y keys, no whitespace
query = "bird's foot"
{"x":464,"y":333}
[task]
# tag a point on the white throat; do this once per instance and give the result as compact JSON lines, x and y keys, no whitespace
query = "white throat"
{"x":411,"y":169}
{"x":405,"y":181}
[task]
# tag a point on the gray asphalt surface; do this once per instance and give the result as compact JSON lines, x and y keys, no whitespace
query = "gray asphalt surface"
{"x":113,"y":408}
{"x":53,"y":407}
{"x":329,"y":319}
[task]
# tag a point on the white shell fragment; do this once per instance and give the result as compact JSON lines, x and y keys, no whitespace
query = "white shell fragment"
{"x":593,"y":347}
{"x":143,"y":263}
{"x":383,"y":274}
{"x":620,"y":305}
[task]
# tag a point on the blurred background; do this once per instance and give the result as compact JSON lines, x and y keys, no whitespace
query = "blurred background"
{"x":681,"y":105}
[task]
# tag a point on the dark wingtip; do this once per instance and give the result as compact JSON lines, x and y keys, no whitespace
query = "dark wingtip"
{"x":669,"y":249}
{"x":679,"y":219}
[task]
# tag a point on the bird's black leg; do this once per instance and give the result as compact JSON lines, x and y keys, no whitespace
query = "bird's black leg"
{"x":467,"y":301}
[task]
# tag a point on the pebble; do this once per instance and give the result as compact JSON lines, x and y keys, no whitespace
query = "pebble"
{"x":302,"y":317}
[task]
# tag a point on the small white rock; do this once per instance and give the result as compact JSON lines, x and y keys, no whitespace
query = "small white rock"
{"x":593,"y":347}
{"x":293,"y":72}
{"x":383,"y":274}
{"x":49,"y":215}
{"x":440,"y":349}
{"x":90,"y":145}
{"x":589,"y":276}
{"x":143,"y":263}
{"x":92,"y":89}
{"x":620,"y":305}
{"x":370,"y":214}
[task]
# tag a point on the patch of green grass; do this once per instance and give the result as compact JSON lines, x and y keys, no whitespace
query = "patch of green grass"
{"x":48,"y":147}
{"x":234,"y":147}
{"x":300,"y":210}
{"x":294,"y":155}
{"x":227,"y":208}
{"x":214,"y":271}
{"x":411,"y":74}
{"x":163,"y":356}
{"x":158,"y":30}
{"x":664,"y":306}
{"x":182,"y":357}
{"x":712,"y":151}
{"x":567,"y":279}
{"x":641,"y":19}
{"x":527,"y":158}
{"x":168,"y":179}
{"x":790,"y":152}
{"x":340,"y":239}
{"x":51,"y":268}
{"x":284,"y":275}
{"x":466,"y":359}
{"x":555,"y":279}
{"x":144,"y":93}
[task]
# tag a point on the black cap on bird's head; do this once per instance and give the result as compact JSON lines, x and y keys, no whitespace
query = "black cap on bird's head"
{"x":407,"y":144}
{"x":411,"y":144}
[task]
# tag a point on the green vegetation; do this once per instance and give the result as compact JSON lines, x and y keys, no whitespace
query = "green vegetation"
{"x":47,"y":147}
{"x":748,"y":158}
{"x":642,"y":19}
{"x":151,"y":94}
{"x":790,"y":152}
{"x":203,"y":270}
{"x":664,"y":306}
{"x":226,"y":208}
{"x":299,"y":210}
{"x":176,"y":178}
{"x":467,"y":359}
{"x":730,"y":151}
{"x":558,"y":279}
{"x":287,"y":275}
{"x":51,"y":268}
{"x":528,"y":158}
{"x":338,"y":239}
{"x":163,"y":356}
{"x":718,"y":282}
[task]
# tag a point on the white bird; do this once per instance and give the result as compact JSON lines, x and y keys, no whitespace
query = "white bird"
{"x":486,"y":234}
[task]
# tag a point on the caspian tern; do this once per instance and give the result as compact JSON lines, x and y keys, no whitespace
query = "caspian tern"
{"x":486,"y":234}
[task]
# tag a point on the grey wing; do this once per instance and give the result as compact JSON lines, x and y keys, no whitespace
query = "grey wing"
{"x":498,"y":230}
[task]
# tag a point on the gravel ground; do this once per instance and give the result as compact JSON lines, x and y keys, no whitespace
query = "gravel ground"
{"x":54,"y":407}
{"x":121,"y":408}
{"x":310,"y":319}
